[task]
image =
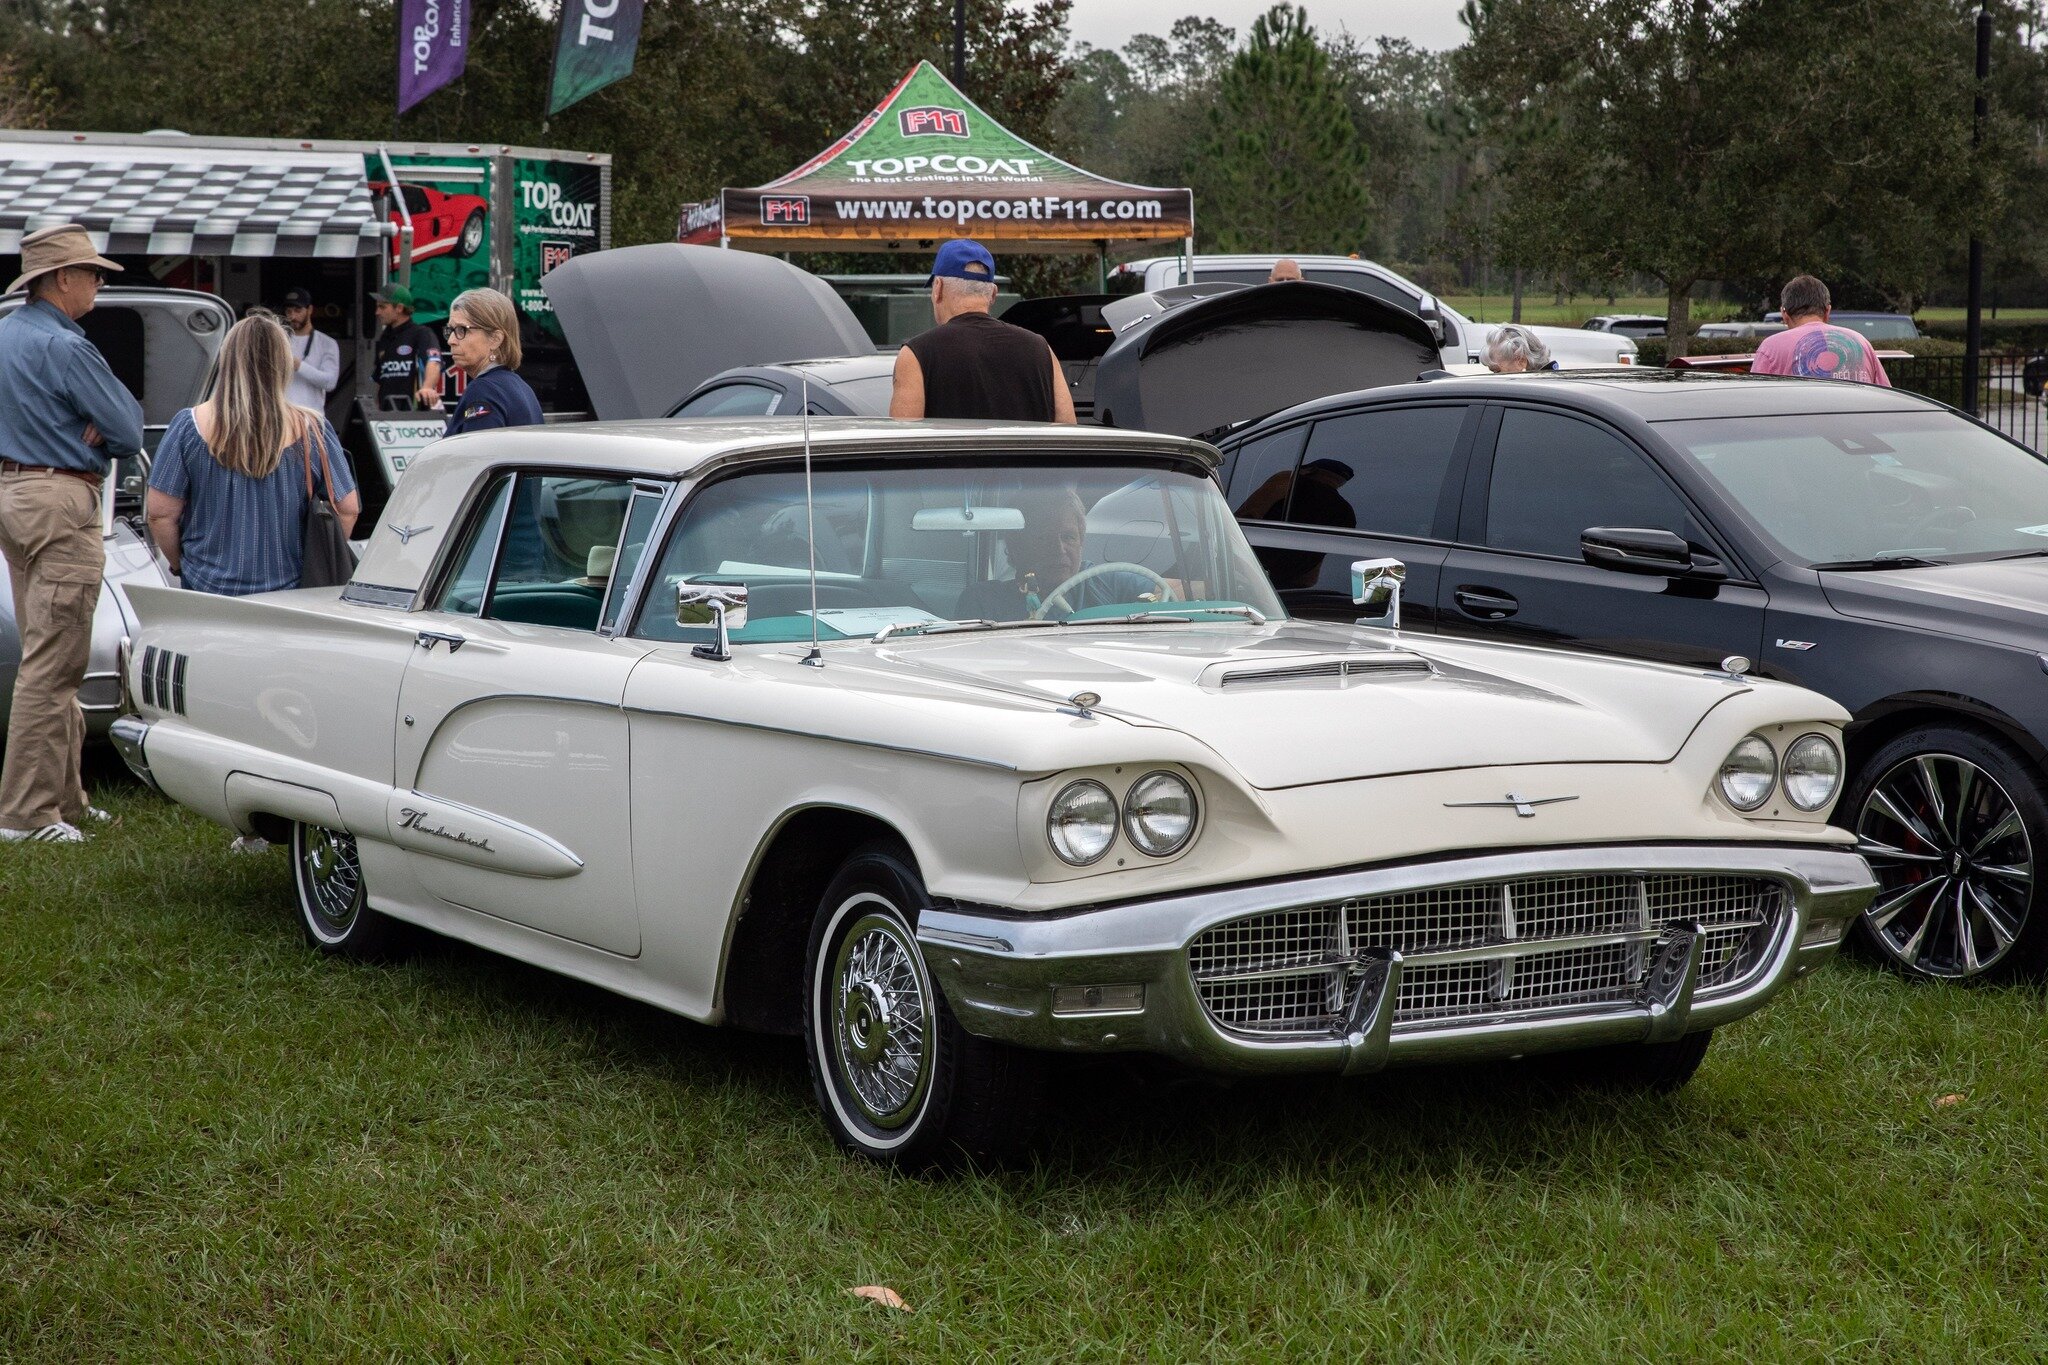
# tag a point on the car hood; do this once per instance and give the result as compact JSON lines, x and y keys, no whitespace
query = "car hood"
{"x":648,"y":324}
{"x":1204,"y":365}
{"x":2005,"y":599}
{"x":1295,"y":703}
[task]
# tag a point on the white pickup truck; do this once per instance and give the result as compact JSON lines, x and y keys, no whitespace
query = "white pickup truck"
{"x":1464,"y":340}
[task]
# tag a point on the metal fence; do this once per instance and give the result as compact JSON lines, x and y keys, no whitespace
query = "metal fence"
{"x":2008,"y":388}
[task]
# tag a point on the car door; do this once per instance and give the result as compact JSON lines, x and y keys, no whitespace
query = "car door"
{"x":1540,"y":478}
{"x":512,"y":795}
{"x":1372,"y":483}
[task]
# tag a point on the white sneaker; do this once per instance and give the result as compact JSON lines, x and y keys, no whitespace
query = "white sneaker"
{"x":59,"y":833}
{"x":249,"y":843}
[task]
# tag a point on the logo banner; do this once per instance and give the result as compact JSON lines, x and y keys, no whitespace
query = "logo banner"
{"x":433,"y":44}
{"x":593,"y":47}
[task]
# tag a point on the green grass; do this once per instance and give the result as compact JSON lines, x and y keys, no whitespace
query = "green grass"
{"x":1542,"y":308}
{"x":214,"y":1145}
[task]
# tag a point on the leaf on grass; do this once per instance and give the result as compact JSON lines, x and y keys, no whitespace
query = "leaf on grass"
{"x":1946,"y":1100}
{"x":882,"y":1294}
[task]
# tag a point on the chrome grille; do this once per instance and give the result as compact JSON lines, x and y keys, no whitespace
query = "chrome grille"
{"x":1292,"y":972}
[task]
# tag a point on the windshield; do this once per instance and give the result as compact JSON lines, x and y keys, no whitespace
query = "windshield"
{"x":1860,"y":486}
{"x":920,"y":545}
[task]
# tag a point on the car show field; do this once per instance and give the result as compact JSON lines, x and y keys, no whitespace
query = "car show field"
{"x":215,"y":1140}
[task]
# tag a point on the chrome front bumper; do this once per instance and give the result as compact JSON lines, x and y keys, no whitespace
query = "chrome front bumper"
{"x":1119,"y":978}
{"x":131,"y":737}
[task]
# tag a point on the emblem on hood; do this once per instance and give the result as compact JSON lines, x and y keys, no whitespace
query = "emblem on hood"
{"x":1524,"y":806}
{"x":406,"y":533}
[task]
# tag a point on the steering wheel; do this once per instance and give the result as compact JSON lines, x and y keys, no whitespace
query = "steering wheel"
{"x":1166,"y":589}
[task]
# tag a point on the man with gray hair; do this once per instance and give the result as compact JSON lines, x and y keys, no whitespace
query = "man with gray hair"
{"x":971,"y":365}
{"x":1514,"y":349}
{"x":1812,"y":349}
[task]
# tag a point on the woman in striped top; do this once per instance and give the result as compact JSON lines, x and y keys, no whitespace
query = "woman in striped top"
{"x":228,"y":487}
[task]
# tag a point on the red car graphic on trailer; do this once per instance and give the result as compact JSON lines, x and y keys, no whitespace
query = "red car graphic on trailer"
{"x":441,"y":222}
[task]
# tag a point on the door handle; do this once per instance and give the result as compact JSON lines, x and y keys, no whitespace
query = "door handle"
{"x":1488,"y":604}
{"x":427,"y":639}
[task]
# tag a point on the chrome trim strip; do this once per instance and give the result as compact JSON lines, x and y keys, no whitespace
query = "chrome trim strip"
{"x":830,"y":739}
{"x":131,"y":740}
{"x":376,"y":595}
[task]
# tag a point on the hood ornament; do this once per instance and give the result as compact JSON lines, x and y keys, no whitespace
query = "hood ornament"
{"x":406,"y":533}
{"x":1524,"y":806}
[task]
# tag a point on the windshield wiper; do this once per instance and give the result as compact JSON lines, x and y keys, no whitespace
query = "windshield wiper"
{"x":1251,"y":614}
{"x":2017,"y":554}
{"x":898,"y":629}
{"x":1885,"y":561}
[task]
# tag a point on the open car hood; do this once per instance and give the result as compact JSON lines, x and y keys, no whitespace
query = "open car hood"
{"x":648,"y":324}
{"x":1210,"y":362}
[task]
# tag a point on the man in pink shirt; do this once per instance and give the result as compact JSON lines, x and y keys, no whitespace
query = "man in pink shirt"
{"x":1809,"y":347}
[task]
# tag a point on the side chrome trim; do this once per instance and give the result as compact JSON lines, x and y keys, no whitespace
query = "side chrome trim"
{"x":376,"y":595}
{"x":939,"y":754}
{"x":131,"y":740}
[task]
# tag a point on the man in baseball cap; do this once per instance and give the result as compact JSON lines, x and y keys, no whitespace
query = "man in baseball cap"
{"x":408,"y":353}
{"x":62,"y":415}
{"x":970,"y":364}
{"x":316,"y":356}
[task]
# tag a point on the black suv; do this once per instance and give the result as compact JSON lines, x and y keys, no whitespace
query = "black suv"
{"x":1873,"y":545}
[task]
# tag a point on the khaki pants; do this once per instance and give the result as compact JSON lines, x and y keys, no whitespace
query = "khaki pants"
{"x":50,"y":534}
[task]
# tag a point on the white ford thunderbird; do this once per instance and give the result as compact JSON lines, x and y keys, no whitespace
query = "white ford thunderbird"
{"x":994,"y":743}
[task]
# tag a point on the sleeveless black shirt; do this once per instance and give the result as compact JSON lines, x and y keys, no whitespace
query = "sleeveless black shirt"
{"x":980,"y":367}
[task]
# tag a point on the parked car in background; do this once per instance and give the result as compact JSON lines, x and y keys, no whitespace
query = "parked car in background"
{"x":1871,"y":544}
{"x":160,"y":343}
{"x":1876,"y":326}
{"x":1757,"y":330}
{"x":1627,"y":324}
{"x":1463,"y":341}
{"x":943,"y":746}
{"x":841,"y":386}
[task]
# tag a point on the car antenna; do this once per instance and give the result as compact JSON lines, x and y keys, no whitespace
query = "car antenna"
{"x":814,"y":658}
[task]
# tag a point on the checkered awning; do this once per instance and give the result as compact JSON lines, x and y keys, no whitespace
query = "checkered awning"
{"x":189,"y":201}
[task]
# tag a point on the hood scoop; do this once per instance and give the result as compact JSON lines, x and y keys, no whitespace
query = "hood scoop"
{"x":1327,"y":672}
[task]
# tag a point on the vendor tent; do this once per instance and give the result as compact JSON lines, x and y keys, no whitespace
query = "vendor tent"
{"x":928,"y":164}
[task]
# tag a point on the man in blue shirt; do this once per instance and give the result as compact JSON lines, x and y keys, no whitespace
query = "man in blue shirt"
{"x":62,"y":415}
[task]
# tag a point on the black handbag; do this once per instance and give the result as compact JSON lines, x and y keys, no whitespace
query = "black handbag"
{"x":328,"y":561}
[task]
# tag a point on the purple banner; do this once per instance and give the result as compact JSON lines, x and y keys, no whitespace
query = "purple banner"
{"x":433,"y":44}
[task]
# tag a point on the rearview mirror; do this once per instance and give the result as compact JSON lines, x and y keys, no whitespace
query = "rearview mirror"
{"x":722,"y":606}
{"x":967,"y":519}
{"x":1376,"y":586}
{"x":1646,"y":550}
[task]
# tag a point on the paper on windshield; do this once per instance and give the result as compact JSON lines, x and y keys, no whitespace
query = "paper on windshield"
{"x":868,"y":620}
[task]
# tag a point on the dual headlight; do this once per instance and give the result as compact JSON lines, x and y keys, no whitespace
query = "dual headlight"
{"x":1157,"y":816}
{"x":1809,"y":776}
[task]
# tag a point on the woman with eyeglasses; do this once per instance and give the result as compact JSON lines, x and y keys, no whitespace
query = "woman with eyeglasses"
{"x":483,"y":338}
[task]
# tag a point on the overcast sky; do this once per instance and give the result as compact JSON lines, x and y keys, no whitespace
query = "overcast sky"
{"x":1427,"y":23}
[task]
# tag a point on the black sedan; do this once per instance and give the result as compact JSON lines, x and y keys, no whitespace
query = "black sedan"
{"x":843,"y":386}
{"x":1873,"y":545}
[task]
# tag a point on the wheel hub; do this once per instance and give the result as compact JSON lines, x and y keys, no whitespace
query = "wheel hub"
{"x":880,"y":1030}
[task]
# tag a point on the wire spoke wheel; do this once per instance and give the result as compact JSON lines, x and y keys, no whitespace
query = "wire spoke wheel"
{"x":881,"y":1021}
{"x":1954,"y":865}
{"x":330,"y":879}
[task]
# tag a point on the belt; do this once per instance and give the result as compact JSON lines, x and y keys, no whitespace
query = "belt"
{"x":17,"y":467}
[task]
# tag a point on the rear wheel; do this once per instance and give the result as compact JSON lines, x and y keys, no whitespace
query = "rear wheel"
{"x":472,"y":234}
{"x":896,"y":1077}
{"x":1951,"y":821}
{"x":334,"y":902}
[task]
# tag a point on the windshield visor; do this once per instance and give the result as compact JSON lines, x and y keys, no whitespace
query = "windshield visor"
{"x":1863,"y":486}
{"x":921,"y":545}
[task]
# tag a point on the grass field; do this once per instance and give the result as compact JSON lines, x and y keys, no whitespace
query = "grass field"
{"x":1542,"y":308}
{"x":213,"y":1145}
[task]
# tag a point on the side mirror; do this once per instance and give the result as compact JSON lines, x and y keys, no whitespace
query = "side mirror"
{"x":1376,"y":586}
{"x":1646,"y":550}
{"x":722,"y":606}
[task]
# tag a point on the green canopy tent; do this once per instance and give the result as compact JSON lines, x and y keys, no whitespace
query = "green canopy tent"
{"x":926,"y":165}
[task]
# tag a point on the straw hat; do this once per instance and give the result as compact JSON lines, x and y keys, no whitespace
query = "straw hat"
{"x":53,"y":249}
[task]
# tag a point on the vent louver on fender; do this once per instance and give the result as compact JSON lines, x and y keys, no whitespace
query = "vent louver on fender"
{"x":1329,"y":670}
{"x":163,"y":679}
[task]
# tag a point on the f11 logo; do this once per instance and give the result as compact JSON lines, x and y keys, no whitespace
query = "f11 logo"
{"x":553,"y":254}
{"x":789,"y":210}
{"x":932,"y":120}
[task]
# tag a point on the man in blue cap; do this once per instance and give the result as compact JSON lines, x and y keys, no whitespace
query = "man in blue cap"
{"x":970,"y":364}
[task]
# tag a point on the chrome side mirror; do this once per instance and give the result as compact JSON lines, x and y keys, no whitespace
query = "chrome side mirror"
{"x":722,"y":606}
{"x":1376,"y":586}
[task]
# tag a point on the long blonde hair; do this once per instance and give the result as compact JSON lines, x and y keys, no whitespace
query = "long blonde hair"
{"x":252,"y":421}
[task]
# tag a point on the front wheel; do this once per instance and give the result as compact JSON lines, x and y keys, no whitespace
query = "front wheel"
{"x":334,"y":901}
{"x":896,"y":1077}
{"x":472,"y":234}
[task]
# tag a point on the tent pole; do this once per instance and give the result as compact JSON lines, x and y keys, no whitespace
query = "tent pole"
{"x":1102,"y":268}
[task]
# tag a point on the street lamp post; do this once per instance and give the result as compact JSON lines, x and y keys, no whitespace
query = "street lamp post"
{"x":960,"y":42}
{"x":1973,"y":343}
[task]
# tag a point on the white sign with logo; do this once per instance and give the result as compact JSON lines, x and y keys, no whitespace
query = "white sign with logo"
{"x":398,"y":439}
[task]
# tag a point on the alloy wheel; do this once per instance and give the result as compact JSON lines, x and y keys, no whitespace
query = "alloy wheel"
{"x":881,"y":1021}
{"x":1954,"y":865}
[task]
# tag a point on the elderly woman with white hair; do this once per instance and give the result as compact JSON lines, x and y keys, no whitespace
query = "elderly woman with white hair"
{"x":1514,"y":349}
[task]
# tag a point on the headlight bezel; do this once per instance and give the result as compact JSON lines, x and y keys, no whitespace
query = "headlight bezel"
{"x":1721,"y":775}
{"x":1054,"y":825}
{"x":1132,"y":817}
{"x":1786,"y":775}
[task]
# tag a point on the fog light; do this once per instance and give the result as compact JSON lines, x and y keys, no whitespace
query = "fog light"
{"x":1078,"y":1000}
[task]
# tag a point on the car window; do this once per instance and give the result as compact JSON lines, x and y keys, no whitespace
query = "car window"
{"x":640,"y":517}
{"x":1359,"y":281}
{"x":415,"y":199}
{"x":554,"y":556}
{"x":732,"y":400}
{"x":1260,"y":474}
{"x":1382,"y":470}
{"x":1556,"y":476}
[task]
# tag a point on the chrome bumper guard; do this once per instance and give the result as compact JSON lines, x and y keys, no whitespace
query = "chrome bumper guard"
{"x":131,"y":735}
{"x":1120,"y":978}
